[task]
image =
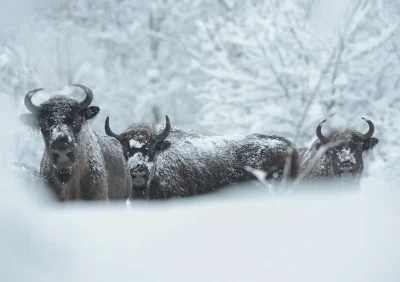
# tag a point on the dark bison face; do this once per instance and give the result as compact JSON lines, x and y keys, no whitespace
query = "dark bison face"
{"x":140,"y":145}
{"x":60,"y":120}
{"x":348,"y":149}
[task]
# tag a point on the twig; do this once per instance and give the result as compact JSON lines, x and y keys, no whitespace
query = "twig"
{"x":260,"y":175}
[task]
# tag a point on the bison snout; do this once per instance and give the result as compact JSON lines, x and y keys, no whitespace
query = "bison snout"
{"x":140,"y":176}
{"x":139,"y":179}
{"x":346,"y":170}
{"x":346,"y":165}
{"x":62,"y":155}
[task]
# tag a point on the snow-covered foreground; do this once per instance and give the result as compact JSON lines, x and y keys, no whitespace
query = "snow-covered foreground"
{"x":221,"y":237}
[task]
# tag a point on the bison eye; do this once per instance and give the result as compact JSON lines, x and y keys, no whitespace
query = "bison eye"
{"x":76,"y":126}
{"x":69,"y":120}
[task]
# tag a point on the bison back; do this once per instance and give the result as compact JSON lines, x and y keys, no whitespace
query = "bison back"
{"x":268,"y":153}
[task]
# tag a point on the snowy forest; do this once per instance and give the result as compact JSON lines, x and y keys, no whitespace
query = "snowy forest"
{"x":214,"y":66}
{"x":218,"y":67}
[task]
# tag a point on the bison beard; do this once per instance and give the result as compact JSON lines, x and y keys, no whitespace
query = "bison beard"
{"x":187,"y":163}
{"x":64,"y":174}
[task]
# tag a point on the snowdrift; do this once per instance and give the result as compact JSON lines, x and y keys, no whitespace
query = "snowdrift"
{"x":230,"y":236}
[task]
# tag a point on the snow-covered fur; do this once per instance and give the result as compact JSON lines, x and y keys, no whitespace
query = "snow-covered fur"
{"x":342,"y":161}
{"x":187,"y":163}
{"x":77,"y":162}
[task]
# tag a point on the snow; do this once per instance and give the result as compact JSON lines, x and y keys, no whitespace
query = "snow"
{"x":346,"y":155}
{"x":217,"y":238}
{"x":137,"y":159}
{"x":135,"y":144}
{"x":271,"y":143}
{"x":61,"y":131}
{"x":208,"y":144}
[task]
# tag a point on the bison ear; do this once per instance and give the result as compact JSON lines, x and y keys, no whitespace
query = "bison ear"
{"x":29,"y":120}
{"x":370,"y":143}
{"x":91,"y":112}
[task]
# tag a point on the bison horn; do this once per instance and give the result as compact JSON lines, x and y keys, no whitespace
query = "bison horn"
{"x":320,"y":136}
{"x":163,"y":135}
{"x":371,"y":129}
{"x":108,"y":129}
{"x":89,"y":96}
{"x":28,"y":101}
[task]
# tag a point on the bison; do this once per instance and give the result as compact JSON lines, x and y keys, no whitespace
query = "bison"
{"x":78,"y":163}
{"x":341,"y":155}
{"x":180,"y":163}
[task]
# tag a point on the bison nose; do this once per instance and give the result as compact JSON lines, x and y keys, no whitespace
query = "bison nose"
{"x":63,"y":154}
{"x":139,"y":172}
{"x":139,"y":179}
{"x":346,"y":163}
{"x":346,"y":167}
{"x":139,"y":175}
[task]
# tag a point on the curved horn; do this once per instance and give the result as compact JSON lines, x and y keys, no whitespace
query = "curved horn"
{"x":163,"y":135}
{"x":89,"y":96}
{"x":28,"y":101}
{"x":108,"y":129}
{"x":320,"y":136}
{"x":371,"y":129}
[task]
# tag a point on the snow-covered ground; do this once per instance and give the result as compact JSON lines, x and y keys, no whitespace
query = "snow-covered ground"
{"x":233,"y":236}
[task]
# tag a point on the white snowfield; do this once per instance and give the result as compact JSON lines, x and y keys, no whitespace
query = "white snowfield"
{"x":240,"y":235}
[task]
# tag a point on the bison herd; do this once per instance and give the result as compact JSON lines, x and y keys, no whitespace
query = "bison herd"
{"x":161,"y":162}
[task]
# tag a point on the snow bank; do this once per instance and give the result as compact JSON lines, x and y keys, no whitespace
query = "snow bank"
{"x":218,"y":237}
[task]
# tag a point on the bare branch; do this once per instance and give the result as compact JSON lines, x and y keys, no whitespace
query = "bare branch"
{"x":396,"y":50}
{"x":314,"y":92}
{"x":224,"y":4}
{"x":243,"y":78}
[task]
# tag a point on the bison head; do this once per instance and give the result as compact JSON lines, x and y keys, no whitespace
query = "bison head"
{"x":346,"y":149}
{"x":60,"y":120}
{"x":140,"y":145}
